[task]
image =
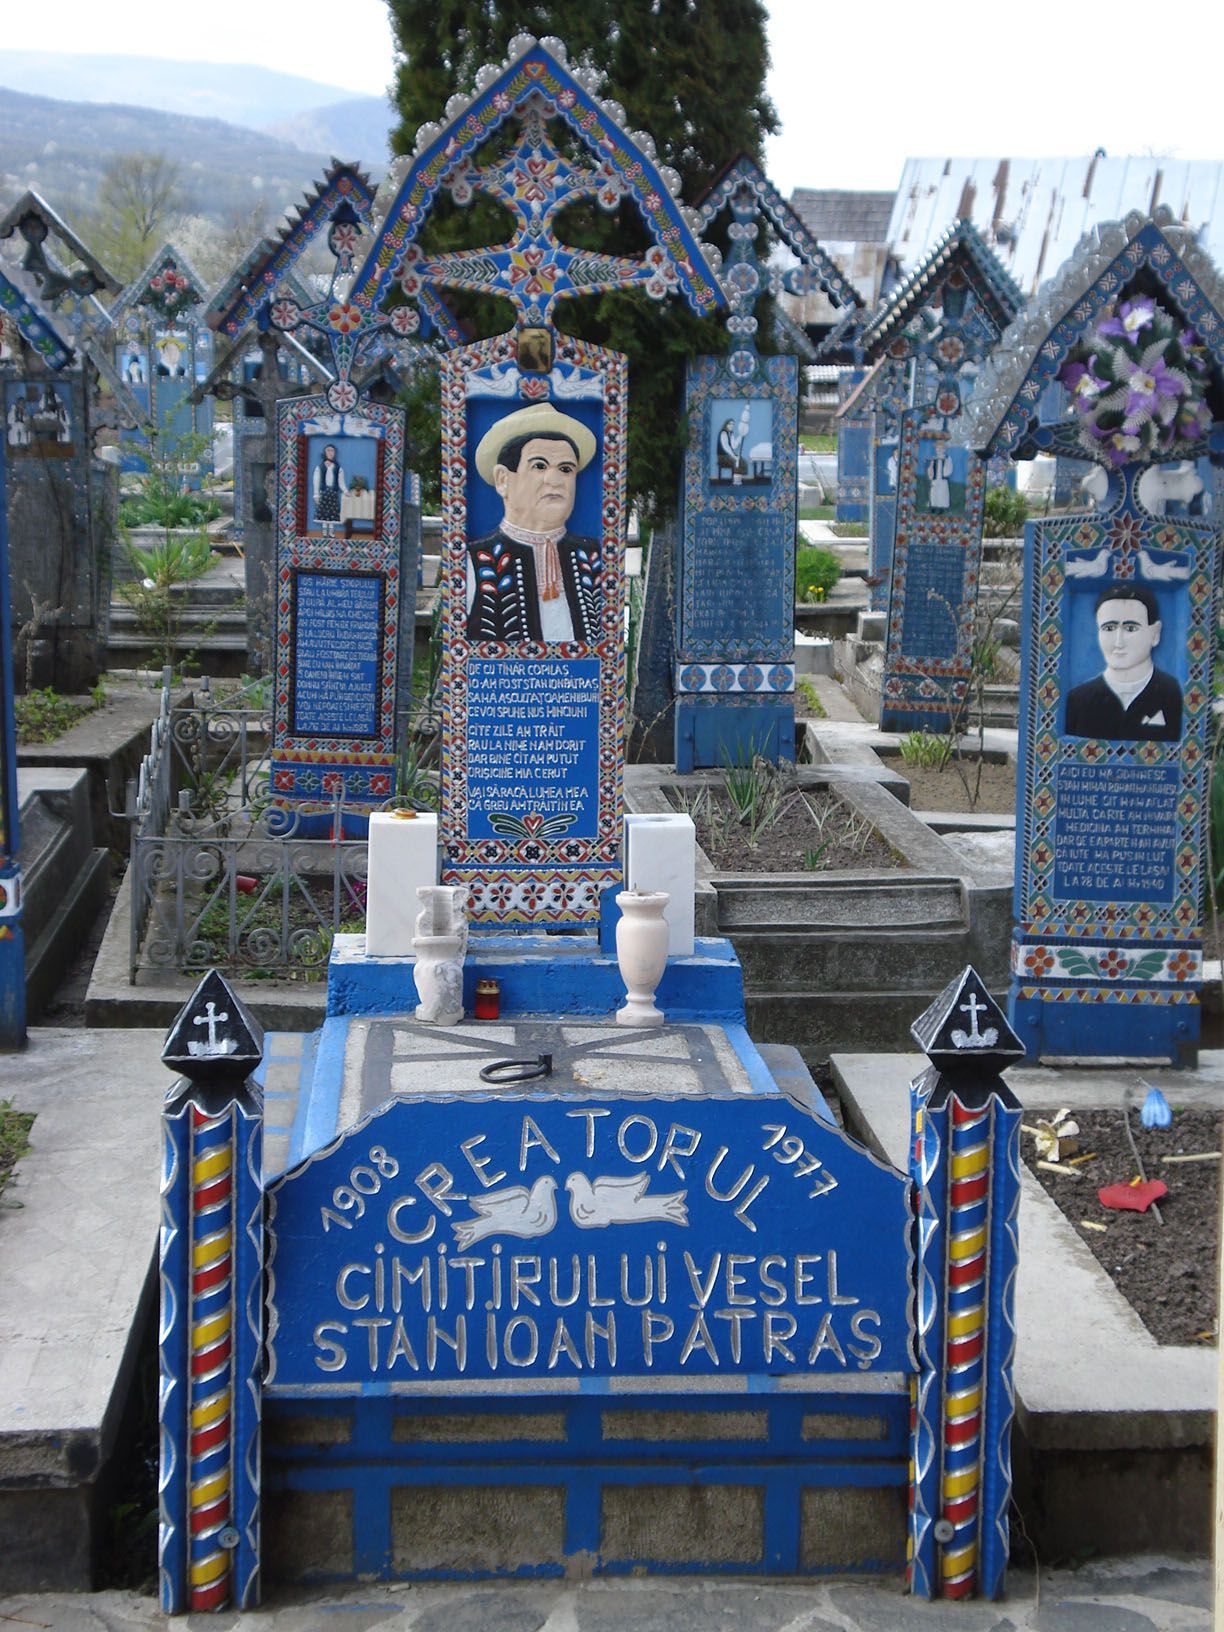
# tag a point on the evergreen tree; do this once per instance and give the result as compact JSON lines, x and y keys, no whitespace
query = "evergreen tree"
{"x":691,"y":73}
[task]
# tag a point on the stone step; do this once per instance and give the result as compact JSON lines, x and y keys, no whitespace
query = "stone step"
{"x":798,"y":902}
{"x":189,"y":617}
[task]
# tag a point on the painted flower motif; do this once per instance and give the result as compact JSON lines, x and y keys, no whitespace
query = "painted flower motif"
{"x":342,"y":396}
{"x":404,"y":320}
{"x":344,"y":317}
{"x":951,"y":348}
{"x":344,"y":236}
{"x":1038,"y":961}
{"x":1182,"y":965}
{"x":286,"y":314}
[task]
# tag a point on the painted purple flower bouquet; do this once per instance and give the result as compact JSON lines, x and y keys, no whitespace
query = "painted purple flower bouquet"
{"x":1138,"y":385}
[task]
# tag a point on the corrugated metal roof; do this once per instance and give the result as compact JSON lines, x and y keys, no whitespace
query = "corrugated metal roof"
{"x":843,"y":217}
{"x":1033,"y":212}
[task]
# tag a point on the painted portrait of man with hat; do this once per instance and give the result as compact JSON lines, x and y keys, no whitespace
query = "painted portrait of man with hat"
{"x":534,"y":580}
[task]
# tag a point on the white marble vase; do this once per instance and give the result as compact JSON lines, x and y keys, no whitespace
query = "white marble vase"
{"x":641,"y":951}
{"x":440,"y":945}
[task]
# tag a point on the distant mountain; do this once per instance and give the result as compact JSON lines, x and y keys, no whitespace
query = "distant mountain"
{"x":61,"y":148}
{"x":359,"y":128}
{"x":242,"y":94}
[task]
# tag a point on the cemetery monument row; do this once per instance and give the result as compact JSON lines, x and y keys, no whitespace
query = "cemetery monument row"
{"x":480,"y":1296}
{"x":1119,"y":637}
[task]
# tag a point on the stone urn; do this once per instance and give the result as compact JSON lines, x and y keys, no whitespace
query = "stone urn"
{"x":641,"y":951}
{"x":440,"y":945}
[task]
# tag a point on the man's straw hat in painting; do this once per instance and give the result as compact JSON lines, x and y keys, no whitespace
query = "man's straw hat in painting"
{"x":541,"y":419}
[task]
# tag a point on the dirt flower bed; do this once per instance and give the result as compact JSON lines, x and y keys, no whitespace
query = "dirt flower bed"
{"x":1166,"y":1272}
{"x":789,"y":830}
{"x":932,"y":789}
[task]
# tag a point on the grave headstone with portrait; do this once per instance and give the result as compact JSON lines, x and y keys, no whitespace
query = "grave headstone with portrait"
{"x":1119,"y":627}
{"x":163,"y":348}
{"x":533,"y":428}
{"x":258,"y":366}
{"x":550,"y":1225}
{"x":942,"y":321}
{"x":735,"y":624}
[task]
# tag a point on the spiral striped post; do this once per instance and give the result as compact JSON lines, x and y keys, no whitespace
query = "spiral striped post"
{"x":211,"y":1327}
{"x":965,"y":1167}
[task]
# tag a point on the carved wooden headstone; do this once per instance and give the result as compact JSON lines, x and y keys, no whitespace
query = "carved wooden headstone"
{"x":941,"y":322}
{"x":735,"y":626}
{"x":1119,"y":624}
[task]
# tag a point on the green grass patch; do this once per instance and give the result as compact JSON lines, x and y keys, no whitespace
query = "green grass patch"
{"x":816,"y":571}
{"x":817,"y":442}
{"x":807,"y":703}
{"x":44,"y":715}
{"x":14,"y":1138}
{"x":850,"y":529}
{"x":818,"y":512}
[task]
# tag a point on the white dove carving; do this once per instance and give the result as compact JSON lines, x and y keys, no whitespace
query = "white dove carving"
{"x":513,"y":1211}
{"x":1160,"y":571}
{"x":1096,"y":567}
{"x":621,"y":1201}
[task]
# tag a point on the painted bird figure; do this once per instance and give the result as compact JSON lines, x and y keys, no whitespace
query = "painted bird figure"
{"x":594,"y":1204}
{"x":513,"y":1211}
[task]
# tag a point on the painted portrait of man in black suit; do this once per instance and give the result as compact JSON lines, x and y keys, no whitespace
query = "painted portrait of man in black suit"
{"x":1131,"y":700}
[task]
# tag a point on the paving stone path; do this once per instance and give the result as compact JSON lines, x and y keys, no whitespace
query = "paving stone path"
{"x":1127,"y":1595}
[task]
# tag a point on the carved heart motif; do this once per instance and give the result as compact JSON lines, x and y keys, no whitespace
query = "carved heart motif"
{"x":533,"y":823}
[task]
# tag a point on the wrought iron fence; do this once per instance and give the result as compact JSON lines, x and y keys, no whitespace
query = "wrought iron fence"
{"x":221,"y":877}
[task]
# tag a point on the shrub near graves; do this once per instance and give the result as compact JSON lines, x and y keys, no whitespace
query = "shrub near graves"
{"x":816,"y":571}
{"x":1005,"y":513}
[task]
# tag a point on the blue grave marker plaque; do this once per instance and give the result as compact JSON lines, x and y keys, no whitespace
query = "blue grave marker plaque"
{"x":735,"y":636}
{"x":853,"y":453}
{"x":163,"y":350}
{"x":338,"y":485}
{"x":939,"y":324}
{"x":461,"y":1243}
{"x":935,"y":568}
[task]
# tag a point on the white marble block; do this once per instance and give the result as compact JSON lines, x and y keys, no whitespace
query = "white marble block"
{"x":661,"y":854}
{"x":403,"y":857}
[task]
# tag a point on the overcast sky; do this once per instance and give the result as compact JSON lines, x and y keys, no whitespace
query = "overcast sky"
{"x":858,"y":88}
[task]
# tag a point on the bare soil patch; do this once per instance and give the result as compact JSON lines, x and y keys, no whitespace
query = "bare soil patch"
{"x":945,"y":790}
{"x":1166,"y":1272}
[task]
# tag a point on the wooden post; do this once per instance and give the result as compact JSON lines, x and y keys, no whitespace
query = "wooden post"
{"x":211,"y":1327}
